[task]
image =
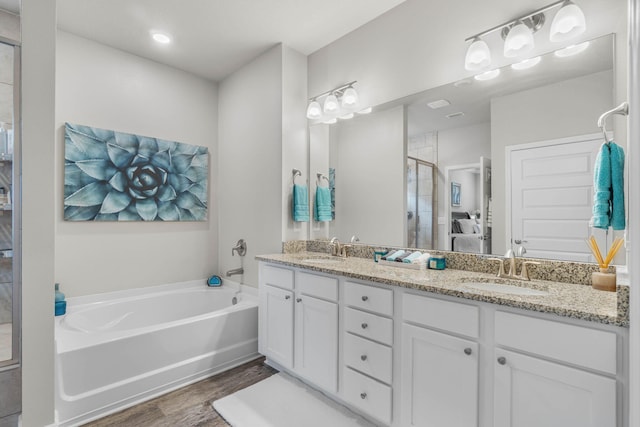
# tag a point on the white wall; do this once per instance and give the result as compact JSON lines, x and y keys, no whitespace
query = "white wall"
{"x":38,"y":191}
{"x":250,"y":168}
{"x":110,"y":89}
{"x":368,"y":153}
{"x":562,"y":109}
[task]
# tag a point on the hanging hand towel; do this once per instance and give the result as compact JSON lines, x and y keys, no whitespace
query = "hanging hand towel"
{"x":617,"y":187}
{"x":300,"y":203}
{"x":322,"y":207}
{"x":608,"y":188}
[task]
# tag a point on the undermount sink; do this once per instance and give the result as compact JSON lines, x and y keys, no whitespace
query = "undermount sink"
{"x":505,"y":289}
{"x":323,"y":260}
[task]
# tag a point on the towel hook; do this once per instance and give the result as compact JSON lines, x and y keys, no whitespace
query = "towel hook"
{"x":296,"y":172}
{"x":321,"y":176}
{"x":622,"y":109}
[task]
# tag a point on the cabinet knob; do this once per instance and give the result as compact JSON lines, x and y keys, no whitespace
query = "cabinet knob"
{"x":467,"y":351}
{"x":364,"y":326}
{"x":363,"y":395}
{"x":298,"y":299}
{"x":502,"y":360}
{"x":363,"y":357}
{"x":365,"y":298}
{"x":287,"y":297}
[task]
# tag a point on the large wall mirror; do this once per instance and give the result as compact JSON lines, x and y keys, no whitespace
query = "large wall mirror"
{"x":475,"y":166}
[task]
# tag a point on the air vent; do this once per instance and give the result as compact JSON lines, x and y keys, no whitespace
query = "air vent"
{"x":454,"y":115}
{"x":438,"y":104}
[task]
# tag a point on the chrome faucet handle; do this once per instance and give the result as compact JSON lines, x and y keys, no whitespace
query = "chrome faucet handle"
{"x":501,"y":272}
{"x":524,"y":274}
{"x":355,"y":239}
{"x":344,"y":250}
{"x":240,"y":248}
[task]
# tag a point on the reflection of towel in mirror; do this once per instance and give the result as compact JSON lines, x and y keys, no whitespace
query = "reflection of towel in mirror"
{"x":322,"y":207}
{"x":300,"y":203}
{"x":608,"y":188}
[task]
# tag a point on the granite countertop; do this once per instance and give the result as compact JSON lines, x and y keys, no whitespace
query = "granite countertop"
{"x":564,"y":299}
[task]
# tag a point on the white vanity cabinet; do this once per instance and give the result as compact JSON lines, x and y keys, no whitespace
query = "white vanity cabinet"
{"x":566,"y":377}
{"x":439,"y":369}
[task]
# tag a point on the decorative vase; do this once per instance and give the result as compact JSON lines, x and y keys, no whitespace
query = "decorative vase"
{"x":603,"y":280}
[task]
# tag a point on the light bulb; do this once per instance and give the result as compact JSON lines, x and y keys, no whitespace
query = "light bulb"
{"x":349,"y":98}
{"x":314,"y":111}
{"x":478,"y":56}
{"x":568,"y":23}
{"x":519,"y":40}
{"x":331,"y":104}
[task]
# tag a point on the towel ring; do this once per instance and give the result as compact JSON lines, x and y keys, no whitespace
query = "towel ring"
{"x":622,"y":109}
{"x":296,"y":172}
{"x":321,"y":177}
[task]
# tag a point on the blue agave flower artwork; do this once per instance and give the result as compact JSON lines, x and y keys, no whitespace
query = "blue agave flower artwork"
{"x":115,"y":176}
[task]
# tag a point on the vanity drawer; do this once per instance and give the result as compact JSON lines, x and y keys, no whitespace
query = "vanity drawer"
{"x":369,"y":325}
{"x":591,"y":348}
{"x":276,"y":276}
{"x":370,"y":396}
{"x":368,"y":357}
{"x":448,"y":316}
{"x":369,"y":298}
{"x":317,"y":286}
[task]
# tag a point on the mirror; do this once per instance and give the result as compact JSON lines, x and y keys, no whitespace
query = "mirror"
{"x":451,"y":176}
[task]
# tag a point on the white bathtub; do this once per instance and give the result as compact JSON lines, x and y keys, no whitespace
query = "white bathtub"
{"x":118,"y":349}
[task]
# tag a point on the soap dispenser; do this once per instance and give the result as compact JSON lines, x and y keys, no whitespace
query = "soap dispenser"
{"x":60,"y":303}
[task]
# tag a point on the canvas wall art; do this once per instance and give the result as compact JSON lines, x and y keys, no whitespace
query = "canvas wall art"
{"x":116,"y":176}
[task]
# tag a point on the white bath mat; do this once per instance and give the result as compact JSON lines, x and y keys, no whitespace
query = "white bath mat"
{"x":283,"y":401}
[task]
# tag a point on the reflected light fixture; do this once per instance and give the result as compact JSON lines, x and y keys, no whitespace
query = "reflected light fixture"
{"x":161,"y":38}
{"x":331,"y":104}
{"x":527,"y":63}
{"x":518,"y":34}
{"x":349,"y":98}
{"x":314,"y":110}
{"x":574,"y":49}
{"x":341,"y":102}
{"x":488,"y":75}
{"x":568,"y":23}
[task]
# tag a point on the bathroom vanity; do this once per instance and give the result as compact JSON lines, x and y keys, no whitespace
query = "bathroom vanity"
{"x":437,"y":348}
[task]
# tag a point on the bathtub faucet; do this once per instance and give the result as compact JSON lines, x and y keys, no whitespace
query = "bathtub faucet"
{"x":235,"y":271}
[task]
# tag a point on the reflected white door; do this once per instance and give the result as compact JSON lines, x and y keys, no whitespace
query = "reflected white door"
{"x":551,"y":197}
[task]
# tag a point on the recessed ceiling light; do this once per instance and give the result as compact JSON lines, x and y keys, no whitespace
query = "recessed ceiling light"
{"x":161,"y":37}
{"x":438,"y":104}
{"x":571,"y":50}
{"x":454,"y":115}
{"x":527,"y":63}
{"x":488,"y":75}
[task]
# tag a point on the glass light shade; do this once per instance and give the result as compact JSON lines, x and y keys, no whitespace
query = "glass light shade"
{"x":488,"y":75}
{"x":331,"y":104}
{"x":527,"y":63}
{"x":568,"y":23}
{"x":519,"y":41}
{"x":349,"y":98}
{"x":478,"y":56}
{"x":314,"y":111}
{"x":571,"y":50}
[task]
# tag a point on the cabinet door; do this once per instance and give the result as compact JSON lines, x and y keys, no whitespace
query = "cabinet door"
{"x":317,"y":341}
{"x":439,"y":379}
{"x":276,"y":324}
{"x":530,"y":392}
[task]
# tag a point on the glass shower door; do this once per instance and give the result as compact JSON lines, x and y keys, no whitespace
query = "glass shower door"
{"x":421,"y":220}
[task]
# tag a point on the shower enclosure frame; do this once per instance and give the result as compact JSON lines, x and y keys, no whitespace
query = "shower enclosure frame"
{"x":434,"y":202}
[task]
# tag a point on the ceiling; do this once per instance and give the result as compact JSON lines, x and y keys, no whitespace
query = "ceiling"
{"x":213,"y":38}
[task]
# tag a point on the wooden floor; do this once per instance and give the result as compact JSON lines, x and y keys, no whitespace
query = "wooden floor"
{"x":190,"y":406}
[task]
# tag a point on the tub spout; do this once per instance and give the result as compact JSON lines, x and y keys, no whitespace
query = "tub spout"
{"x":235,"y":271}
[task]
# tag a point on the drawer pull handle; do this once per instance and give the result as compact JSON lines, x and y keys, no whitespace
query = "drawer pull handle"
{"x":363,"y":395}
{"x":467,"y":351}
{"x":287,"y":297}
{"x":502,"y":360}
{"x":365,"y":298}
{"x":298,"y":299}
{"x":363,"y":357}
{"x":364,"y":326}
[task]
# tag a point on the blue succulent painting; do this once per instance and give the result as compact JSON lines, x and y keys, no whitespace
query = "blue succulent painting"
{"x":115,"y":176}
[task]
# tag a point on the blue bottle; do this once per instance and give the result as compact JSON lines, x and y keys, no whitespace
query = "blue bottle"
{"x":60,"y":303}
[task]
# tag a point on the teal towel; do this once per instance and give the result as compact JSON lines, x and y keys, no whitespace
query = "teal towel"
{"x":395,"y":255}
{"x":608,"y":188}
{"x":410,"y":258}
{"x":322,"y":207}
{"x":300,"y":203}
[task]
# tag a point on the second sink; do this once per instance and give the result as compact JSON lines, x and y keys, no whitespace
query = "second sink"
{"x":505,"y":289}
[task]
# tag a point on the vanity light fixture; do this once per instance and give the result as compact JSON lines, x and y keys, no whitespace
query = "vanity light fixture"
{"x":527,"y":63}
{"x":488,"y":75}
{"x":518,"y":34}
{"x":574,"y":49}
{"x":341,"y":101}
{"x":161,"y":38}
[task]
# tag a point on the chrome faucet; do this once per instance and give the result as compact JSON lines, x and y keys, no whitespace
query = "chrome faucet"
{"x":511,"y":256}
{"x":335,"y":246}
{"x":512,"y":274}
{"x":240,"y":248}
{"x":235,"y":271}
{"x":355,"y":239}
